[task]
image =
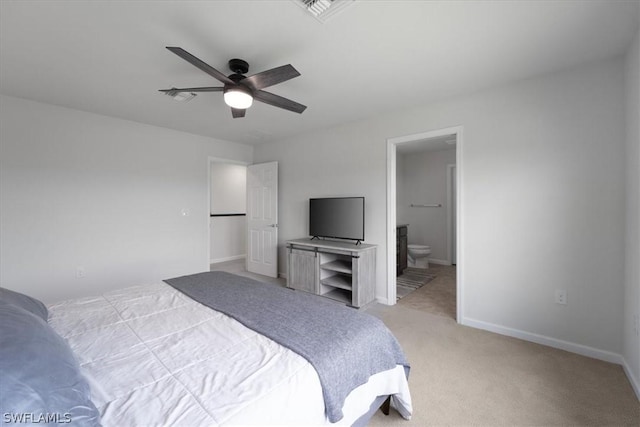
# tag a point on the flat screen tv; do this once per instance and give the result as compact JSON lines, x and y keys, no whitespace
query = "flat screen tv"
{"x":337,"y":218}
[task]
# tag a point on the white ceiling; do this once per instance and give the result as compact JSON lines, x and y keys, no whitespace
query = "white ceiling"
{"x":109,"y":57}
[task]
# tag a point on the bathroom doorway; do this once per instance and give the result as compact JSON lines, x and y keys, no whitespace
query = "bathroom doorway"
{"x":424,"y":204}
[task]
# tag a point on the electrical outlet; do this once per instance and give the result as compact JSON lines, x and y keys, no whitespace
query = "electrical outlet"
{"x":561,"y":296}
{"x":80,"y":272}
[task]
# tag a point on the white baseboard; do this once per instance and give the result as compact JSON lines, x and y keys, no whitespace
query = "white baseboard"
{"x":383,"y":300}
{"x":583,"y":350}
{"x":225,"y":259}
{"x":632,"y":379}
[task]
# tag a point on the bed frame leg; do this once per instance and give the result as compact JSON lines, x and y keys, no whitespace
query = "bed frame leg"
{"x":386,"y":405}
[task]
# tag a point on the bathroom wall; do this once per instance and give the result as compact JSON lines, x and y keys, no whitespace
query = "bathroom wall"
{"x":402,"y":205}
{"x":423,"y":180}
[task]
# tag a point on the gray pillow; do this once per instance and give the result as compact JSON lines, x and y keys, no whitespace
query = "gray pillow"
{"x":28,"y":303}
{"x":41,"y":379}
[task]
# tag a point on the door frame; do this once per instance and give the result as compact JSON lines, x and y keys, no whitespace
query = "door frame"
{"x":212,"y":159}
{"x":451,"y":213}
{"x":392,"y":144}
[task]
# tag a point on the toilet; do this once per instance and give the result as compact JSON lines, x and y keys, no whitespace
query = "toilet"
{"x":417,"y":256}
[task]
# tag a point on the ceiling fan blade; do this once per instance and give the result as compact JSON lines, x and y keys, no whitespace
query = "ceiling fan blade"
{"x":202,"y":65}
{"x":238,"y":112}
{"x":174,"y":90}
{"x":271,"y":77}
{"x":278,"y":101}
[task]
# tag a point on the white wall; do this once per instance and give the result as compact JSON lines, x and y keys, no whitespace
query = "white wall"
{"x":543,"y":193}
{"x":84,"y":190}
{"x":228,"y":196}
{"x":424,"y":181}
{"x":632,"y":242}
{"x":228,"y":188}
{"x":228,"y":238}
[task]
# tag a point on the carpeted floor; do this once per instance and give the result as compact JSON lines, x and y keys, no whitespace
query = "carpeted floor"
{"x":462,"y":376}
{"x":438,"y":296}
{"x":238,"y":267}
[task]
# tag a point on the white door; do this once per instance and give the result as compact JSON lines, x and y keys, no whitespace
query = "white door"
{"x":262,"y":219}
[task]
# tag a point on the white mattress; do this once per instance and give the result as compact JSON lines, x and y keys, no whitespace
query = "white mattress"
{"x":153,"y":356}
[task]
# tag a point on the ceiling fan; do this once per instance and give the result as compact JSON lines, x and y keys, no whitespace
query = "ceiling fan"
{"x":239,"y":90}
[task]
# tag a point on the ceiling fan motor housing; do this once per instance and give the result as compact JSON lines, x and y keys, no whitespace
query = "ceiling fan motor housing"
{"x":238,"y":87}
{"x":238,"y":66}
{"x":237,"y":78}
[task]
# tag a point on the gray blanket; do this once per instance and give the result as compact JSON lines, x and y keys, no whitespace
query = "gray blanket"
{"x":344,"y":345}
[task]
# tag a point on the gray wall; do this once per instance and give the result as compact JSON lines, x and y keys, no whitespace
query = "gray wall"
{"x":543,"y":199}
{"x":632,"y":242}
{"x":424,"y":181}
{"x":108,"y":195}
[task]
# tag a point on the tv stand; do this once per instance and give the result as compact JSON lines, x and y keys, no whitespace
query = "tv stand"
{"x":357,"y":241}
{"x":343,"y":271}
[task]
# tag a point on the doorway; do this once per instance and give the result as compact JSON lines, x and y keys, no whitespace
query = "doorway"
{"x":227,"y":210}
{"x":451,"y":249}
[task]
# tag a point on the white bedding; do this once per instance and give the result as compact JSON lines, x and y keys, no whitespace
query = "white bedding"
{"x":153,"y":356}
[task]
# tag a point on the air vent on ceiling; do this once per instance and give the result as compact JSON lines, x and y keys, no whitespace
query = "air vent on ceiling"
{"x":323,"y":9}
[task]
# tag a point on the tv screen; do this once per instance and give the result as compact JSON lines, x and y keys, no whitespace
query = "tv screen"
{"x":337,"y":217}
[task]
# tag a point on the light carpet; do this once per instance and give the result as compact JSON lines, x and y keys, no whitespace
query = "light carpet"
{"x":461,"y":376}
{"x":439,"y":296}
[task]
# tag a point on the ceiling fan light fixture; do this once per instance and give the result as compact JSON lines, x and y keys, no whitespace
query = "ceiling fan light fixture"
{"x":238,"y":97}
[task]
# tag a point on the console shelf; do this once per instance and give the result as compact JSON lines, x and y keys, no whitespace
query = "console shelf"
{"x":339,"y":265}
{"x":340,"y":295}
{"x":342,"y":271}
{"x":338,"y":281}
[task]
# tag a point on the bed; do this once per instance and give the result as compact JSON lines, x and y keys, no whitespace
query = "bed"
{"x":173,"y":353}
